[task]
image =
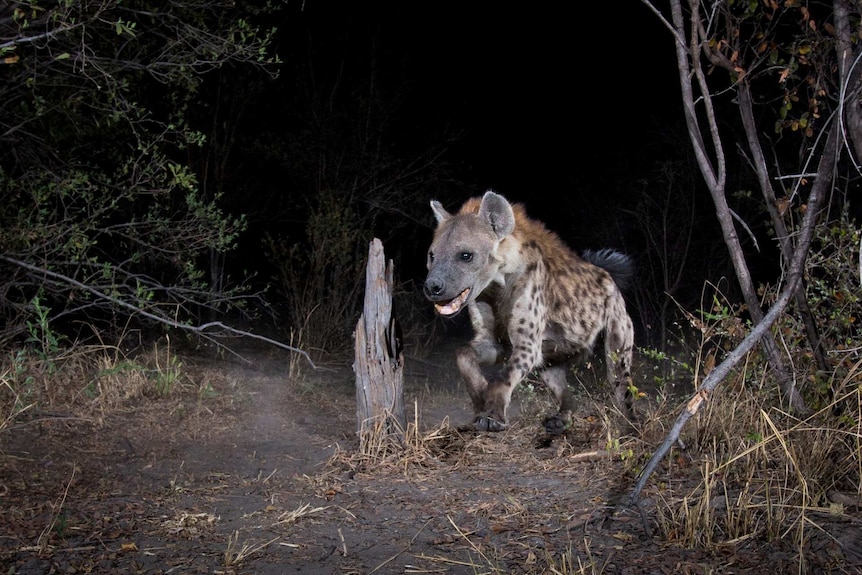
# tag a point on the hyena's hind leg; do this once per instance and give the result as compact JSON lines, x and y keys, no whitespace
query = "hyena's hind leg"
{"x":554,"y":377}
{"x":619,"y":344}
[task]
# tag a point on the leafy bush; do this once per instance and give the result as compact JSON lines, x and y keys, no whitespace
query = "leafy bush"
{"x":102,"y":218}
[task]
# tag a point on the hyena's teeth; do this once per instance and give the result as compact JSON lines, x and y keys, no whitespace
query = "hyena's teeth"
{"x":453,"y":306}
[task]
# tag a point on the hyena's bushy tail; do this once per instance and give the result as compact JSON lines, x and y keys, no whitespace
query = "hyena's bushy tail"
{"x":619,"y":265}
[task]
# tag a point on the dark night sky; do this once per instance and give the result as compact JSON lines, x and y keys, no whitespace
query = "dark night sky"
{"x":546,"y":95}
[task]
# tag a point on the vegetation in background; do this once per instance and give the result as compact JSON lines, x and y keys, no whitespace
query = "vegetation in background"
{"x":102,"y":218}
{"x":771,"y":469}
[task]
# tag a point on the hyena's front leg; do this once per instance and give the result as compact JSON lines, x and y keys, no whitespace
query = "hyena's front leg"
{"x":471,"y":373}
{"x":483,"y":351}
{"x":525,"y":332}
{"x":498,"y":394}
{"x":493,"y":416}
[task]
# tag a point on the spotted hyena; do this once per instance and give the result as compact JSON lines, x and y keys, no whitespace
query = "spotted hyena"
{"x":533,"y":304}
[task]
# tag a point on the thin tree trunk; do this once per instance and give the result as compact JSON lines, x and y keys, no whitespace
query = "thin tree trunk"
{"x":379,"y":363}
{"x":794,"y":277}
{"x":850,"y":72}
{"x":784,"y":241}
{"x":691,"y":70}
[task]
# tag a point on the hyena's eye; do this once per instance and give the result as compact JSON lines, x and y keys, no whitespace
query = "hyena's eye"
{"x":430,"y":256}
{"x":466,"y":257}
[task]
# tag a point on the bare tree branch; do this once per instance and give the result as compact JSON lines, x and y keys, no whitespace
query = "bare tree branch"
{"x":203,"y":330}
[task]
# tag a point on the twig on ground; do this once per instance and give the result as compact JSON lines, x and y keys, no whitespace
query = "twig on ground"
{"x":406,"y":547}
{"x":42,"y":542}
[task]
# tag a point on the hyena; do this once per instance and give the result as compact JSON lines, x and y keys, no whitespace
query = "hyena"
{"x":533,"y":304}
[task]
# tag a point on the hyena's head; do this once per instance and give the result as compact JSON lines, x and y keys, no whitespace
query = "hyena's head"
{"x":463,"y":258}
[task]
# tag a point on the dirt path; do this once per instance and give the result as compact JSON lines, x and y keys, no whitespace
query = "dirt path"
{"x":248,"y":473}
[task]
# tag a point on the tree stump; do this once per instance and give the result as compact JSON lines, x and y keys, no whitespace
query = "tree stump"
{"x":379,"y":364}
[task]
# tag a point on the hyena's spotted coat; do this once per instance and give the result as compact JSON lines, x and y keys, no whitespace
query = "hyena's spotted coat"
{"x":533,"y":304}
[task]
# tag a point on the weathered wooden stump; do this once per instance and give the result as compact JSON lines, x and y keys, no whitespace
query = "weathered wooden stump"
{"x":379,"y":363}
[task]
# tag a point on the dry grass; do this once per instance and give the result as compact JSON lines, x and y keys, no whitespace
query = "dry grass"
{"x":57,"y":510}
{"x":386,"y":448}
{"x":750,"y":473}
{"x":386,"y":445}
{"x":85,"y":381}
{"x":570,"y":563}
{"x":15,"y":394}
{"x":296,"y":362}
{"x":763,"y":475}
{"x":235,"y":553}
{"x":292,"y":516}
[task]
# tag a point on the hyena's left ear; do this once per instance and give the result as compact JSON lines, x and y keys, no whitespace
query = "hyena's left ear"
{"x":440,"y":212}
{"x":497,"y":211}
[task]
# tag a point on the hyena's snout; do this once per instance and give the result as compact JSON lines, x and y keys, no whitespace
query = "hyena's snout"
{"x":434,"y":288}
{"x":439,"y":291}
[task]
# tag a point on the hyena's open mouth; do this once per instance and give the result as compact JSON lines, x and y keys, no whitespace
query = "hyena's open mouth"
{"x":452,"y":306}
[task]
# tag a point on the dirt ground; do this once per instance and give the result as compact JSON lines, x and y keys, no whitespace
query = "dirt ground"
{"x":246,"y":471}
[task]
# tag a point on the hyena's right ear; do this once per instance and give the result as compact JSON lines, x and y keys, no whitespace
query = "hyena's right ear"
{"x":440,"y":212}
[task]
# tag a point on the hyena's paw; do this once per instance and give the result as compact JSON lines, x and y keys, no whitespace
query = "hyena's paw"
{"x":487,"y":422}
{"x":557,"y":424}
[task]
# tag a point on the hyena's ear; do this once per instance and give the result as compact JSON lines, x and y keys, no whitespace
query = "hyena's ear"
{"x":497,"y":211}
{"x":440,"y":212}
